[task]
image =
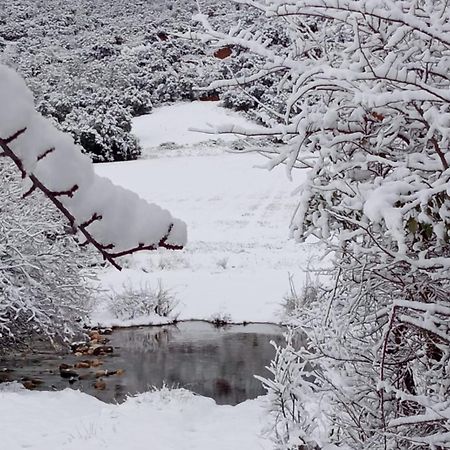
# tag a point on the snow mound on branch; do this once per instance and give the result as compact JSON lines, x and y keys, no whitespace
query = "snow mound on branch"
{"x":117,"y":219}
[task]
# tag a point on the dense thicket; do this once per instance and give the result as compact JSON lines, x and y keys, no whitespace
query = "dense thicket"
{"x":94,"y":64}
{"x":368,"y":115}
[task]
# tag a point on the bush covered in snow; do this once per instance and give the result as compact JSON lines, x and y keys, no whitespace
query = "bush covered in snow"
{"x":44,"y":286}
{"x":134,"y":302}
{"x":368,"y":114}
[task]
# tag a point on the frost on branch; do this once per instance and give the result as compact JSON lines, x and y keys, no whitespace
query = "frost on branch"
{"x":114,"y":220}
{"x":368,"y":115}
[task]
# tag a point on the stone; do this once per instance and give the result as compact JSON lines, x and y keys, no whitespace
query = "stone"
{"x":96,"y":363}
{"x":82,"y":365}
{"x":100,"y":385}
{"x":94,"y":335}
{"x":28,"y":384}
{"x":31,"y":383}
{"x":86,"y":376}
{"x":79,"y":347}
{"x":5,"y":377}
{"x":102,"y":350}
{"x":66,"y":371}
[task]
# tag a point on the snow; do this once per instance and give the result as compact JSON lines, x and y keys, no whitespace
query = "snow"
{"x":173,"y":123}
{"x":161,"y":420}
{"x":17,"y":115}
{"x":57,"y":166}
{"x":239,"y":254}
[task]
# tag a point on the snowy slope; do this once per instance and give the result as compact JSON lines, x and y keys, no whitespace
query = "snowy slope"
{"x":239,"y":254}
{"x":163,"y":420}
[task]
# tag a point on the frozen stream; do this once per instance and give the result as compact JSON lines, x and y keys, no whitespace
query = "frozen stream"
{"x":210,"y":361}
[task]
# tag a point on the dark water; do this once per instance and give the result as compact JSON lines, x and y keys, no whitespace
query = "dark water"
{"x":214,"y":362}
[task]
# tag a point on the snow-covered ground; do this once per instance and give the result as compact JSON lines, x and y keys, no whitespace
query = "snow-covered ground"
{"x":239,"y":254}
{"x":163,"y":420}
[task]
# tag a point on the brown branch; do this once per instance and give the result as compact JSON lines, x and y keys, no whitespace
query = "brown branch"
{"x":94,"y":218}
{"x":53,"y":197}
{"x":68,"y":193}
{"x":13,"y":137}
{"x":140,"y":247}
{"x":30,"y":191}
{"x":163,"y":242}
{"x":50,"y":150}
{"x":439,"y":152}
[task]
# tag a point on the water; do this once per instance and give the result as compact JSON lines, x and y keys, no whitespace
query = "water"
{"x":214,"y":362}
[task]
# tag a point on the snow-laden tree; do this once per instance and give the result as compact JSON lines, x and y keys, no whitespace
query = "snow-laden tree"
{"x":368,"y":115}
{"x":45,"y":290}
{"x":114,"y":220}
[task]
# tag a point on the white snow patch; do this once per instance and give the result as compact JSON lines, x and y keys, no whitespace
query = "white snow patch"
{"x":173,"y":124}
{"x":161,"y":420}
{"x":239,"y":254}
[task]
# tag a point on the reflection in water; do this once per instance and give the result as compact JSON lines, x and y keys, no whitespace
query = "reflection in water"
{"x":214,"y":362}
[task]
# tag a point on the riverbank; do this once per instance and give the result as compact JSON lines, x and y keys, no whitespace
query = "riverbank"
{"x":160,"y":420}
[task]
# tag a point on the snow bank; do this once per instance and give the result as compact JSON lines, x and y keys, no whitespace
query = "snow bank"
{"x":162,"y":420}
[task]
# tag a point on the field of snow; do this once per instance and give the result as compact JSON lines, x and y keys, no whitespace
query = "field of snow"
{"x":239,"y":254}
{"x":163,"y":420}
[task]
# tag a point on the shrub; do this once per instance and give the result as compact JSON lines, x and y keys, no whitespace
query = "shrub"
{"x":45,"y":290}
{"x":138,"y":301}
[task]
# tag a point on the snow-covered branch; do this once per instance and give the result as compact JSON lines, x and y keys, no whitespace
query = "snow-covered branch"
{"x":114,"y":220}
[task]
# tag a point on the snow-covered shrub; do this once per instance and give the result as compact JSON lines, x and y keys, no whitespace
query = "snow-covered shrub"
{"x":103,"y":131}
{"x":44,"y":286}
{"x":140,"y":301}
{"x":368,"y":115}
{"x":220,"y":319}
{"x":297,"y":413}
{"x":294,"y":302}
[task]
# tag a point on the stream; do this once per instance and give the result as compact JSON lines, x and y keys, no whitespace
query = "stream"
{"x":217,"y":362}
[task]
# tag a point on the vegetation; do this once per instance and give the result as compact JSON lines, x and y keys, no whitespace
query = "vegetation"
{"x":45,"y":289}
{"x":367,"y":114}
